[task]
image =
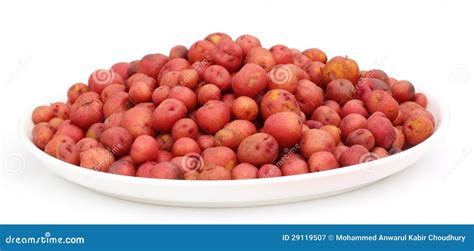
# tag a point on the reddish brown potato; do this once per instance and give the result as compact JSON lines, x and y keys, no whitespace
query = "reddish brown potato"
{"x":68,"y":129}
{"x":354,"y":106}
{"x":378,"y":74}
{"x":165,"y":141}
{"x":316,"y":140}
{"x":170,"y":79}
{"x":334,"y":131}
{"x":117,"y":140}
{"x":143,"y":149}
{"x":113,"y":120}
{"x":282,"y":77}
{"x":140,"y":92}
{"x":52,"y":146}
{"x":379,"y":152}
{"x":144,"y":169}
{"x":188,"y":78}
{"x":315,"y":72}
{"x":100,"y":79}
{"x":176,"y":65}
{"x":403,"y":91}
{"x":365,"y":86}
{"x":261,"y":57}
{"x":163,"y":156}
{"x":313,"y":124}
{"x":322,"y":161}
{"x":133,"y":68}
{"x":185,"y":145}
{"x":258,"y":149}
{"x":205,"y":141}
{"x":316,"y":55}
{"x":421,"y":99}
{"x":178,"y":51}
{"x":233,"y":133}
{"x":351,"y":123}
{"x":60,"y":110}
{"x":161,"y":93}
{"x":118,"y":103}
{"x":269,"y":171}
{"x":87,"y":143}
{"x":278,"y":100}
{"x":75,"y":91}
{"x":250,"y":81}
{"x":326,"y":115}
{"x":218,"y":76}
{"x":217,"y":37}
{"x":333,"y":105}
{"x":229,"y":99}
{"x":55,"y":123}
{"x":381,"y":101}
{"x":300,"y":73}
{"x":96,"y":158}
{"x":281,"y":54}
{"x":221,"y":156}
{"x":167,"y":113}
{"x":340,"y":90}
{"x":285,"y":127}
{"x":356,"y":154}
{"x":208,"y":92}
{"x":340,"y":68}
{"x":228,"y":54}
{"x":247,"y":42}
{"x":309,"y":96}
{"x":166,"y":170}
{"x":214,"y":172}
{"x":95,"y":130}
{"x":138,"y":121}
{"x":417,"y":129}
{"x":184,"y":127}
{"x":151,"y":64}
{"x":399,"y":138}
{"x":111,"y":90}
{"x":68,"y":152}
{"x":185,"y":95}
{"x":201,"y":50}
{"x":382,"y":129}
{"x":294,"y":166}
{"x":42,"y":134}
{"x":86,"y":111}
{"x":245,"y":108}
{"x":339,"y":150}
{"x":213,"y":116}
{"x":42,"y":114}
{"x":300,"y":60}
{"x":122,"y":167}
{"x":361,"y":137}
{"x":140,"y":77}
{"x":244,"y":171}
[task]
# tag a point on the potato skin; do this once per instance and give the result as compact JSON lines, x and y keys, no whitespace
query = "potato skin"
{"x":244,"y":171}
{"x":361,"y":137}
{"x":315,"y":140}
{"x":213,"y":116}
{"x":165,"y":170}
{"x":219,"y":76}
{"x":117,"y":140}
{"x":86,"y":111}
{"x":382,"y":129}
{"x":315,"y":55}
{"x":322,"y":161}
{"x":220,"y":156}
{"x":227,"y":54}
{"x":185,"y":145}
{"x":403,"y":91}
{"x":214,"y":172}
{"x":269,"y":171}
{"x":381,"y":101}
{"x":247,"y":42}
{"x":282,"y":77}
{"x":201,"y":50}
{"x":417,"y":129}
{"x":138,"y":121}
{"x":340,"y":90}
{"x":249,"y":81}
{"x":42,"y":133}
{"x":340,"y":68}
{"x":281,"y":54}
{"x":122,"y":167}
{"x":151,"y":64}
{"x":258,"y":149}
{"x":167,"y":113}
{"x":260,"y":56}
{"x":96,"y":158}
{"x":278,"y":100}
{"x":52,"y":146}
{"x":245,"y":108}
{"x":294,"y":166}
{"x":309,"y":96}
{"x":354,"y":106}
{"x":285,"y":127}
{"x":326,"y":115}
{"x":143,"y":149}
{"x":356,"y":154}
{"x":75,"y":91}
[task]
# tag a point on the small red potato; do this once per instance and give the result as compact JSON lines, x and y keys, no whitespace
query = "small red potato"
{"x":138,"y":121}
{"x":165,"y":170}
{"x":339,"y":150}
{"x":340,"y":68}
{"x":315,"y":140}
{"x":260,"y":56}
{"x":205,"y":141}
{"x":68,"y":129}
{"x":399,"y":138}
{"x":247,"y":42}
{"x":381,"y":101}
{"x":185,"y":95}
{"x":379,"y":152}
{"x":314,"y":70}
{"x":351,"y":123}
{"x":354,"y":155}
{"x":300,"y":59}
{"x":234,"y":132}
{"x":365,"y":86}
{"x":118,"y":103}
{"x":217,"y":37}
{"x":281,"y":54}
{"x":167,"y":113}
{"x":95,"y":130}
{"x":170,"y":79}
{"x":86,"y":111}
{"x":184,"y":127}
{"x":178,"y":51}
{"x":121,"y":68}
{"x":188,"y":78}
{"x":100,"y":79}
{"x":68,"y":152}
{"x":361,"y":137}
{"x":87,"y":143}
{"x":213,"y":116}
{"x":117,"y":140}
{"x":42,"y":114}
{"x":176,"y":65}
{"x":75,"y":91}
{"x":163,"y":156}
{"x":285,"y":127}
{"x":354,"y":106}
{"x":60,"y":110}
{"x":309,"y":96}
{"x":218,"y":76}
{"x":214,"y":172}
{"x":110,"y":91}
{"x":313,"y":124}
{"x":278,"y":100}
{"x":403,"y":91}
{"x":334,"y":131}
{"x":201,"y":50}
{"x":52,"y":146}
{"x":282,"y":77}
{"x":141,"y":77}
{"x":245,"y":108}
{"x":113,"y":120}
{"x":269,"y":171}
{"x":42,"y":134}
{"x":151,"y":64}
{"x":315,"y":55}
{"x":208,"y":92}
{"x":227,"y":54}
{"x":326,"y":115}
{"x":258,"y":149}
{"x":165,"y":142}
{"x":378,"y":74}
{"x":122,"y":167}
{"x":333,"y":105}
{"x":421,"y":99}
{"x":229,"y":99}
{"x":140,"y":92}
{"x":294,"y":166}
{"x":55,"y":123}
{"x":145,"y":168}
{"x":340,"y":90}
{"x":161,"y":93}
{"x":185,"y":145}
{"x":143,"y":149}
{"x":220,"y":156}
{"x":322,"y":161}
{"x":417,"y":129}
{"x":250,"y":81}
{"x":382,"y":129}
{"x":244,"y":171}
{"x":96,"y":158}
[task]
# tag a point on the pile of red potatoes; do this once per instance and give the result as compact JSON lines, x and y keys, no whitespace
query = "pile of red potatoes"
{"x":230,"y":109}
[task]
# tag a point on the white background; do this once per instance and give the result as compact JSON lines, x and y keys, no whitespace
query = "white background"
{"x":46,"y":46}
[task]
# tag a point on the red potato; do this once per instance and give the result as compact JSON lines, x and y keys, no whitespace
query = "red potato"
{"x":247,"y":42}
{"x":75,"y":91}
{"x":282,"y":77}
{"x":333,"y":105}
{"x":167,"y":113}
{"x":315,"y":140}
{"x":217,"y":37}
{"x":138,"y":121}
{"x":381,"y":101}
{"x":95,"y":130}
{"x":121,"y":69}
{"x":165,"y":141}
{"x":244,"y":171}
{"x":113,"y":120}
{"x":234,"y":132}
{"x":151,"y":64}
{"x":218,"y":76}
{"x":220,"y":156}
{"x":86,"y":111}
{"x":326,"y":115}
{"x":379,"y":152}
{"x":68,"y":129}
{"x":258,"y":149}
{"x":351,"y":123}
{"x":403,"y":91}
{"x":378,"y":74}
{"x":421,"y":99}
{"x":96,"y":158}
{"x":175,"y":65}
{"x":340,"y":68}
{"x":118,"y":103}
{"x":140,"y":92}
{"x":315,"y":55}
{"x":178,"y":51}
{"x":141,"y":77}
{"x":68,"y":152}
{"x":245,"y":108}
{"x":188,"y":78}
{"x":322,"y":161}
{"x":42,"y":133}
{"x":42,"y":114}
{"x":52,"y":146}
{"x":340,"y":90}
{"x":365,"y":86}
{"x":417,"y":129}
{"x":300,"y":60}
{"x":260,"y":56}
{"x":170,"y":79}
{"x":133,"y":68}
{"x":309,"y":96}
{"x":117,"y":140}
{"x":361,"y":137}
{"x":60,"y":110}
{"x":382,"y":129}
{"x":208,"y":92}
{"x":399,"y":138}
{"x":205,"y":141}
{"x":294,"y":166}
{"x":122,"y":167}
{"x":250,"y":81}
{"x":184,"y":127}
{"x":110,"y":91}
{"x":161,"y":93}
{"x":143,"y":149}
{"x":200,"y":67}
{"x":227,"y":54}
{"x":314,"y":70}
{"x":87,"y":143}
{"x":313,"y":124}
{"x":185,"y":145}
{"x":55,"y":123}
{"x":356,"y":154}
{"x":165,"y":170}
{"x":185,"y":95}
{"x":299,"y":72}
{"x":269,"y":171}
{"x":339,"y":150}
{"x":214,"y":172}
{"x":229,"y":99}
{"x":285,"y":127}
{"x":281,"y":54}
{"x":278,"y":100}
{"x":144,"y":169}
{"x":100,"y":79}
{"x":163,"y":156}
{"x":213,"y":116}
{"x":354,"y":106}
{"x":201,"y":50}
{"x":334,"y":131}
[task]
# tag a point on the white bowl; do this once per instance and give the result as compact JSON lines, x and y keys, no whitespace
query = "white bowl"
{"x":238,"y":193}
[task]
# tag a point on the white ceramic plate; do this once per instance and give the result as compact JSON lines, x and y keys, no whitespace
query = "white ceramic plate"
{"x":238,"y":193}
